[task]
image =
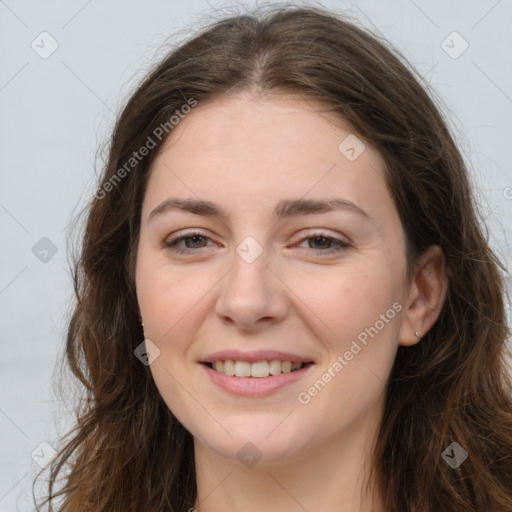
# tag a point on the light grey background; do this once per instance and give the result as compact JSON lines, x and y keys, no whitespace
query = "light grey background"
{"x":57,"y":111}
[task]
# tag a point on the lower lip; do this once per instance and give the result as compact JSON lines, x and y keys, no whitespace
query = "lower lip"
{"x":255,"y":386}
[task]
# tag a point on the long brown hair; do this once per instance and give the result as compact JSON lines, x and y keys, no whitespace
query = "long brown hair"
{"x":127,"y":452}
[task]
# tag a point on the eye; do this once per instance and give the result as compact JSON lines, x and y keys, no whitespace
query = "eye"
{"x":322,"y":243}
{"x":193,"y":240}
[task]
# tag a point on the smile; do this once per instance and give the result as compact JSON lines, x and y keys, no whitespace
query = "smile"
{"x":258,"y":369}
{"x":259,"y":378}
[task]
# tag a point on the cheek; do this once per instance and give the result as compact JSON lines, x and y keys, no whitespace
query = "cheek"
{"x":170,"y":296}
{"x":341,"y":302}
{"x":359,"y":313}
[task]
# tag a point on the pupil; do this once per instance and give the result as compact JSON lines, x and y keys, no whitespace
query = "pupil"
{"x":321,"y":238}
{"x":196,"y":239}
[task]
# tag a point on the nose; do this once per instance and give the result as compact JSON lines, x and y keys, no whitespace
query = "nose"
{"x":252,"y":297}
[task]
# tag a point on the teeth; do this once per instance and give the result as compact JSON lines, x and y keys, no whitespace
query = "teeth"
{"x":229,"y":367}
{"x":275,"y":367}
{"x":242,"y":369}
{"x":257,"y":369}
{"x":286,"y":366}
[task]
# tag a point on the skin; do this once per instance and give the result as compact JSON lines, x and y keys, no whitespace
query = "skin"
{"x":246,"y":154}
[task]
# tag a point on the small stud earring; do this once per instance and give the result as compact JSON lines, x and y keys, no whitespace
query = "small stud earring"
{"x":142,"y":325}
{"x":418,"y":334}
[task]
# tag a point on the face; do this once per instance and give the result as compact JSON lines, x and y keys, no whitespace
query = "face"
{"x":269,"y":238}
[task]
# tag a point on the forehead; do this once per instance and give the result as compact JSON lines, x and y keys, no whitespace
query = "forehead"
{"x":265,"y":149}
{"x":281,"y":125}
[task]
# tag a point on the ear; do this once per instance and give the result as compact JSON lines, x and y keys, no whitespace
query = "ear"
{"x":426,"y":296}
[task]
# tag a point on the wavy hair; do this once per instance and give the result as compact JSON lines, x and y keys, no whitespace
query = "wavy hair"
{"x":127,"y":452}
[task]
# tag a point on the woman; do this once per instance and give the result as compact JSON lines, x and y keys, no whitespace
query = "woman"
{"x":285,"y":300}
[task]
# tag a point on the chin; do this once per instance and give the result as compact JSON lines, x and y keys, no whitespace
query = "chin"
{"x":256,"y":440}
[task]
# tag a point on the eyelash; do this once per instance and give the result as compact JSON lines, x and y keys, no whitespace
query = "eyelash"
{"x":171,"y":244}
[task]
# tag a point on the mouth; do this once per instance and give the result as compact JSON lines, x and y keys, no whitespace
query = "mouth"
{"x":256,"y":369}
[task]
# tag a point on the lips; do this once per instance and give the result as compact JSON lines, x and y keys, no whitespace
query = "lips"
{"x":253,"y":386}
{"x":255,"y":356}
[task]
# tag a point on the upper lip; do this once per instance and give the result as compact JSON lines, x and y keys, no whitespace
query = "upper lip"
{"x":254,"y":356}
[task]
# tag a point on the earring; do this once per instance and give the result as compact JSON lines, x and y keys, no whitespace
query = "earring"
{"x":142,"y":324}
{"x":418,"y":334}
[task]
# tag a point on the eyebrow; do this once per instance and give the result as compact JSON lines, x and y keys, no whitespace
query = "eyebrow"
{"x":284,"y":209}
